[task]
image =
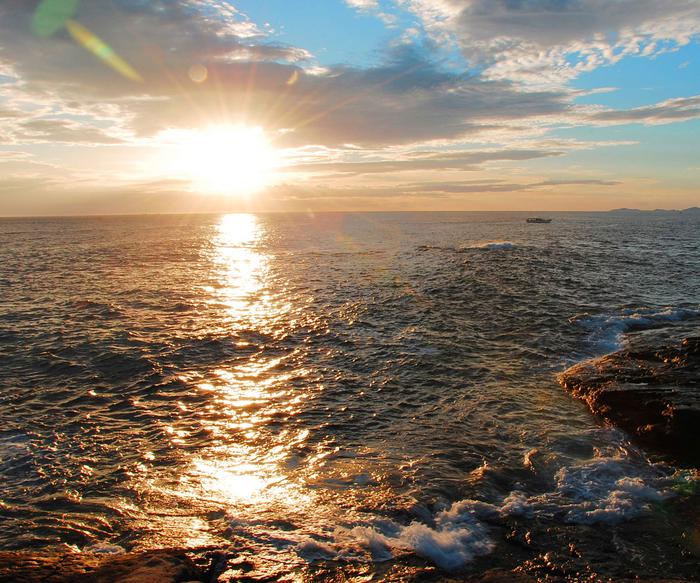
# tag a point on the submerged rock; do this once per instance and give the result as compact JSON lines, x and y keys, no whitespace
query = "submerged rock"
{"x":651,"y":389}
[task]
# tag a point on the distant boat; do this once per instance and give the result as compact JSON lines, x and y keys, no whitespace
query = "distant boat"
{"x":538,"y":220}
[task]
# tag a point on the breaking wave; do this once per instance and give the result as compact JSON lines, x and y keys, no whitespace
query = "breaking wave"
{"x":483,"y":246}
{"x":607,"y":330}
{"x":494,"y":246}
{"x":610,"y":488}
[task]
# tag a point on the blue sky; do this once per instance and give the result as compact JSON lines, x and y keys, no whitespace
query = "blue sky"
{"x":642,"y":81}
{"x":349,"y":105}
{"x":312,"y":24}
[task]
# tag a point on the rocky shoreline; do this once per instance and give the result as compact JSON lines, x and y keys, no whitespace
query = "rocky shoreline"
{"x":224,"y":566}
{"x":192,"y":565}
{"x":69,"y":565}
{"x":651,"y":389}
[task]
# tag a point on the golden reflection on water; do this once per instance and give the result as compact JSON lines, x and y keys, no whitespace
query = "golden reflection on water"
{"x":246,"y":462}
{"x":240,"y":272}
{"x":238,"y":452}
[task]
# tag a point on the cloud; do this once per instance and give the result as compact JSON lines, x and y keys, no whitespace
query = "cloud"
{"x":61,"y":131}
{"x":372,"y":6}
{"x":409,"y":97}
{"x":463,"y":187}
{"x":484,"y":186}
{"x":362,"y":4}
{"x":404,"y":100}
{"x":6,"y":113}
{"x":588,"y":182}
{"x":552,"y":41}
{"x":671,"y":110}
{"x":12,"y":155}
{"x":160,"y":39}
{"x":31,"y":121}
{"x":443,"y":194}
{"x":464,"y":161}
{"x":22,"y":184}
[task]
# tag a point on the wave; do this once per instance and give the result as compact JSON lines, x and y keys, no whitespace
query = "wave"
{"x":456,"y":538}
{"x":451,"y":539}
{"x":608,"y":490}
{"x":607,"y":330}
{"x":484,"y":246}
{"x":616,"y":485}
{"x":436,"y":248}
{"x":493,"y":246}
{"x":95,"y":309}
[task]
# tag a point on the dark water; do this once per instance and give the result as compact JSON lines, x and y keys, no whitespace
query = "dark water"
{"x":370,"y":392}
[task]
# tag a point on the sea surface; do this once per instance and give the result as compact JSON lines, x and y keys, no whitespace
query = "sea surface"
{"x":367,"y":393}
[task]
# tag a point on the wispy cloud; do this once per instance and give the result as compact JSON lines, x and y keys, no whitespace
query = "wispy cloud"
{"x":362,"y":4}
{"x":671,"y":110}
{"x":463,"y":161}
{"x":481,"y":186}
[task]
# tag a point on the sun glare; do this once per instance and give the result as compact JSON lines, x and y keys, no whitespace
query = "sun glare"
{"x":225,"y":159}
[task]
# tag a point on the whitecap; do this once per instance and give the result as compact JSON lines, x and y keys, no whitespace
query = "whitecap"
{"x":607,"y":330}
{"x":456,"y":538}
{"x":494,"y":245}
{"x":606,"y":489}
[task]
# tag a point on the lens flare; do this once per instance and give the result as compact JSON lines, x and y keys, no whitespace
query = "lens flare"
{"x":51,"y":16}
{"x":101,"y":50}
{"x":198,"y":73}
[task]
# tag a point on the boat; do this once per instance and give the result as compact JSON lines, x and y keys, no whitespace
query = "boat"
{"x":538,"y":220}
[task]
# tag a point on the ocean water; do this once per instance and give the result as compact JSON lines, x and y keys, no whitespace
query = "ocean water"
{"x":371,"y":393}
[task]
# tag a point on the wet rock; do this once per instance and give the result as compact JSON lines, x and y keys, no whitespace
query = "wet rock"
{"x":651,"y":389}
{"x":160,"y":566}
{"x":499,"y":575}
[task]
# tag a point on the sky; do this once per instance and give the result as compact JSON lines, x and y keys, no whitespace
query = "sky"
{"x":144,"y":106}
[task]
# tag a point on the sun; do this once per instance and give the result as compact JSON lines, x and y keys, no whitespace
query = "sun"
{"x":223,"y":159}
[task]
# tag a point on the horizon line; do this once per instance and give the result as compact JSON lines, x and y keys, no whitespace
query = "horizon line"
{"x":320,"y":212}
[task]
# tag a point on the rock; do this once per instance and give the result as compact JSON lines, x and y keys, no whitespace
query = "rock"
{"x":651,"y":389}
{"x":159,"y":566}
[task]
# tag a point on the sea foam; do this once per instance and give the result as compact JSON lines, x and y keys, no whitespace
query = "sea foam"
{"x":603,"y":490}
{"x":607,"y":330}
{"x":617,"y":484}
{"x":454,"y":540}
{"x":614,"y":486}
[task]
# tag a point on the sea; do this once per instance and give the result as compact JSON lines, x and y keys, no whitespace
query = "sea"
{"x":372,"y":395}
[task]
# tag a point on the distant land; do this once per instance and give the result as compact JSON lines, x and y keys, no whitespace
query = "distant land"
{"x":692,"y":210}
